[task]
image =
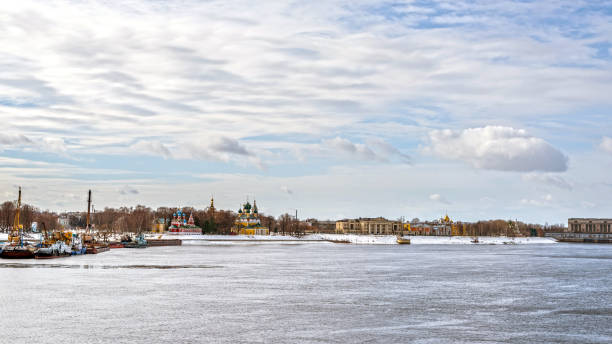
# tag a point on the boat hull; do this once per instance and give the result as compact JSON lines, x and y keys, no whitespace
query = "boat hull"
{"x":403,"y":241}
{"x":47,"y":257}
{"x":97,"y":249}
{"x":79,"y":252}
{"x":18,"y":253}
{"x":134,"y":245}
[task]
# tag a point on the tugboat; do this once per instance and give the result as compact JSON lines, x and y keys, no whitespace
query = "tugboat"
{"x":16,"y":247}
{"x":139,"y":242}
{"x":77,"y":245}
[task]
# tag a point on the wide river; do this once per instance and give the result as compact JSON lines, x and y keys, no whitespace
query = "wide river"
{"x":313,"y":293}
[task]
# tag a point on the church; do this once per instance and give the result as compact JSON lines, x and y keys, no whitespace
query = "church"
{"x":181,"y":225}
{"x":248,"y":222}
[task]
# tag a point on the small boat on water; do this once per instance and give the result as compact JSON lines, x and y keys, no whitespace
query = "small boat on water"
{"x":339,"y":241}
{"x":403,"y":241}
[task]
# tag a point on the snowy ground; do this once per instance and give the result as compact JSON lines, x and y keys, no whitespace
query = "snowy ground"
{"x":29,"y":236}
{"x":431,"y":240}
{"x":364,"y":239}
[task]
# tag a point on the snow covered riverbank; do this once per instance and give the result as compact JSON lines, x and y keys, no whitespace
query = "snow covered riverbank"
{"x":364,"y":239}
{"x":432,"y":240}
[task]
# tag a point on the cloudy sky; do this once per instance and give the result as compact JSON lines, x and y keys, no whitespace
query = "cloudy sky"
{"x":482,"y":109}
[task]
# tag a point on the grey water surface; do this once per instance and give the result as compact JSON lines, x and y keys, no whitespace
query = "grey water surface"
{"x":312,"y":293}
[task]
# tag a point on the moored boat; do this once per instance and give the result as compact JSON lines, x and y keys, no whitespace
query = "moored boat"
{"x":139,"y":242}
{"x":91,"y":244}
{"x":403,"y":241}
{"x":95,"y":249}
{"x":18,"y":252}
{"x":56,"y":249}
{"x":16,"y":247}
{"x":77,"y":245}
{"x":339,"y":241}
{"x":58,"y":244}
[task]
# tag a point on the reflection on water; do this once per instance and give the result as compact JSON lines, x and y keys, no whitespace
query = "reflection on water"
{"x":313,"y":293}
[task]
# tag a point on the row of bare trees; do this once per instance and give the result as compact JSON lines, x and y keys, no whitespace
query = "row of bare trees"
{"x":507,"y":228}
{"x":140,"y":219}
{"x":28,"y":215}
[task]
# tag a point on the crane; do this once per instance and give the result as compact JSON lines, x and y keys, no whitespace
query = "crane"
{"x":15,"y":236}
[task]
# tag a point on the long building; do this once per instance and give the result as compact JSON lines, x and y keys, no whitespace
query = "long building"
{"x":589,"y":225}
{"x":378,"y":225}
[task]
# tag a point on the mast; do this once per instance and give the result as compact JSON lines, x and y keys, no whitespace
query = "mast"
{"x":16,"y":222}
{"x":88,"y":209}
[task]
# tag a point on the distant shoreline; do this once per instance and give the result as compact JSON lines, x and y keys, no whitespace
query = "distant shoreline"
{"x":364,"y":239}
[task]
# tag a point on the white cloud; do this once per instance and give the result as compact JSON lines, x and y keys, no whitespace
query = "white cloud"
{"x":544,"y":200}
{"x":497,"y":148}
{"x":606,"y":144}
{"x":12,"y":139}
{"x":438,"y":198}
{"x":373,"y":150}
{"x":46,"y":143}
{"x":218,"y":70}
{"x":384,"y":148}
{"x":128,"y":190}
{"x":356,"y":150}
{"x":286,"y":190}
{"x":55,"y":145}
{"x":548,"y":179}
{"x":151,"y":147}
{"x":223,"y":149}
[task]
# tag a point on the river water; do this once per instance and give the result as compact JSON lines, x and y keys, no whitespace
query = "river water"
{"x":313,"y":293}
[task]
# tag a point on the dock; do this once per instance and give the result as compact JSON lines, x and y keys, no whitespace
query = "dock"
{"x":164,"y":242}
{"x":586,"y":240}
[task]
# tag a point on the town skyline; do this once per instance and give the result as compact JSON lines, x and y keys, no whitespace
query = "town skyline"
{"x":340,"y":109}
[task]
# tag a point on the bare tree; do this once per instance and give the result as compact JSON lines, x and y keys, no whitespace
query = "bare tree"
{"x":7,"y":213}
{"x":285,"y":221}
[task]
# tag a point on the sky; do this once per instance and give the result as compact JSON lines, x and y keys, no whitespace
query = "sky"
{"x":414,"y":109}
